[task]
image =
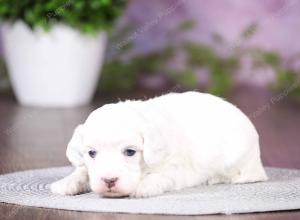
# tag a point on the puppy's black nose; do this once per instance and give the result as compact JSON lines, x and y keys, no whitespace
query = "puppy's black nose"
{"x":110,"y":182}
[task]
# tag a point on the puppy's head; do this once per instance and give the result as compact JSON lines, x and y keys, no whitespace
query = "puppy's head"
{"x":117,"y":146}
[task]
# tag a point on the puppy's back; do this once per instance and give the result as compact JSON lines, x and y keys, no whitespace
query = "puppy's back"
{"x":205,"y":122}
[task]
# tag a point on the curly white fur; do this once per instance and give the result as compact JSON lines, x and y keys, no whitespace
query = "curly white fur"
{"x":181,"y":140}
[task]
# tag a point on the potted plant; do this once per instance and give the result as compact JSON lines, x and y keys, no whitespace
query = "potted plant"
{"x":54,"y":49}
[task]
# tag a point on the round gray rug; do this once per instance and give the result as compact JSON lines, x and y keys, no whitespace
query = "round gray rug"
{"x":281,"y":192}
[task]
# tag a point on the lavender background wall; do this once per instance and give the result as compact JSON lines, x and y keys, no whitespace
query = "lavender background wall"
{"x":278,"y":29}
{"x":278,"y":21}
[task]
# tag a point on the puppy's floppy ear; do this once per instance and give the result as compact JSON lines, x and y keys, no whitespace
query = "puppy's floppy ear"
{"x":75,"y":147}
{"x":154,"y":150}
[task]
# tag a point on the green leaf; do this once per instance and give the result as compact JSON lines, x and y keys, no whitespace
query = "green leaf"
{"x":221,"y":84}
{"x":187,"y":25}
{"x":186,"y":77}
{"x":88,"y":16}
{"x":272,"y":59}
{"x":249,"y":31}
{"x":105,"y":2}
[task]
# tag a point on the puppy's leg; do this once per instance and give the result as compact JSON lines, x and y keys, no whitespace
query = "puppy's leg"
{"x":251,"y":170}
{"x":167,"y":180}
{"x":249,"y":174}
{"x":153,"y":184}
{"x":76,"y":183}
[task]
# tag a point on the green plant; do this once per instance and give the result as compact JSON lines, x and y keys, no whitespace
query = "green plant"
{"x":220,"y":68}
{"x":87,"y":15}
{"x":122,"y":75}
{"x":119,"y":74}
{"x":286,"y":77}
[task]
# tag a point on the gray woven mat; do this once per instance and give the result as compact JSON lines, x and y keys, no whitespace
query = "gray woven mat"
{"x":281,"y":192}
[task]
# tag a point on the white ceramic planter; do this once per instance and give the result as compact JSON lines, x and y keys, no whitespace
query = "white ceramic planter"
{"x":59,"y":68}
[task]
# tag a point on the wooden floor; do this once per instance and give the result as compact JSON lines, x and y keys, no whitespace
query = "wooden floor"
{"x":36,"y":138}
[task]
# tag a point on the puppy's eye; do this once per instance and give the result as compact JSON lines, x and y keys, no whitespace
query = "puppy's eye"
{"x":129,"y":152}
{"x":92,"y":153}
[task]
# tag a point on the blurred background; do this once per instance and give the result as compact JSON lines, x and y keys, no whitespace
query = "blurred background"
{"x":244,"y":51}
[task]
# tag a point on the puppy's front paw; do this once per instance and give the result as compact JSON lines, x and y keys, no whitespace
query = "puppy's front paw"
{"x":151,"y":185}
{"x":68,"y":186}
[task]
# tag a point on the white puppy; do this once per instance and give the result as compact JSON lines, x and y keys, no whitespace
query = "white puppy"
{"x":146,"y":148}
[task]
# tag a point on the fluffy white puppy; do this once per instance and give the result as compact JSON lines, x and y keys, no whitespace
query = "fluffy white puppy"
{"x":146,"y":148}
